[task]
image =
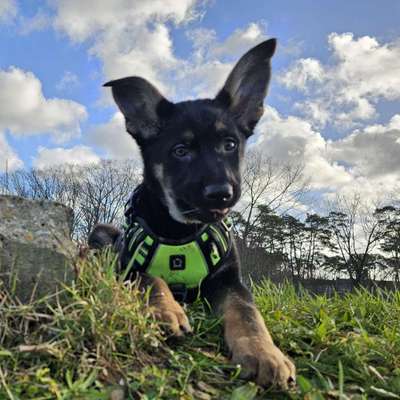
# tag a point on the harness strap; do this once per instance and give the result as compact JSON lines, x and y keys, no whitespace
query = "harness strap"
{"x":146,"y":251}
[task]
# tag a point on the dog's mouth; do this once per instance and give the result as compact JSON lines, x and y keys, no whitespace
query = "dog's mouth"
{"x":219,"y":213}
{"x":206,"y":215}
{"x":191,"y":213}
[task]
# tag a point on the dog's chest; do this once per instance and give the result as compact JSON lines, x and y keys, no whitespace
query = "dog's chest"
{"x":184,"y":264}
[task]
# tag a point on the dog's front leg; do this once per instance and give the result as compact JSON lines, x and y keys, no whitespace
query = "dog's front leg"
{"x":165,"y":308}
{"x":251,"y":345}
{"x":246,"y":335}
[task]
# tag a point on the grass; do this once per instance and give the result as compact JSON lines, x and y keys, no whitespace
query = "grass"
{"x":97,"y":340}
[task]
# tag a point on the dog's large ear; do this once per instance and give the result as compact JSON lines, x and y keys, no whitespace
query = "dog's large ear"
{"x":143,"y":106}
{"x":246,"y":87}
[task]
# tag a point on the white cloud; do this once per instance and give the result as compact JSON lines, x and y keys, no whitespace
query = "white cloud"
{"x":212,"y":60}
{"x":315,"y":110}
{"x":68,"y":80}
{"x":24,"y":110}
{"x":8,"y":10}
{"x":239,"y":42}
{"x":113,"y":139}
{"x":81,"y":20}
{"x":78,"y":155}
{"x":303,"y":73}
{"x":149,"y":56}
{"x":203,"y":79}
{"x":294,"y":141}
{"x":366,"y":162}
{"x":137,"y":41}
{"x":368,"y":68}
{"x":129,"y":40}
{"x":8,"y":158}
{"x":394,"y":124}
{"x":372,"y":191}
{"x":346,"y":92}
{"x":207,"y":47}
{"x":373,"y":152}
{"x":38,"y":22}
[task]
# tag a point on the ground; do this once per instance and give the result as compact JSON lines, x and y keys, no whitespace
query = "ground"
{"x":99,"y":335}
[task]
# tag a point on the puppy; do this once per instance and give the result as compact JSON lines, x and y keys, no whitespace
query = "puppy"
{"x":177,"y":237}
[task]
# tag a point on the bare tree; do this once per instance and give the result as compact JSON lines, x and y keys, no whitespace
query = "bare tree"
{"x":97,"y":193}
{"x":277,"y":186}
{"x":46,"y":184}
{"x":104,"y":190}
{"x":389,"y":217}
{"x":356,"y":234}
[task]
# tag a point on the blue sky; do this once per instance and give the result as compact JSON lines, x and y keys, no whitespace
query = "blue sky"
{"x":333,"y":103}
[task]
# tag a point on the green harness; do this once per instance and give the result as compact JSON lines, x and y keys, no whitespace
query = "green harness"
{"x":182,"y":264}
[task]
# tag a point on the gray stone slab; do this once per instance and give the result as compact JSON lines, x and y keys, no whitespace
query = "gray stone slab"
{"x":36,"y":251}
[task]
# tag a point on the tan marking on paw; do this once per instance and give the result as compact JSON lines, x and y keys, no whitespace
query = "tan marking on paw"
{"x":167,"y":310}
{"x":263,"y":362}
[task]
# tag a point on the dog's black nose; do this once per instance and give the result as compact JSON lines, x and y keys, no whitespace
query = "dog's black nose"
{"x":222,"y":192}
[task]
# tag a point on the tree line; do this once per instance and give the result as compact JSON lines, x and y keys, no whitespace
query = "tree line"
{"x":349,"y":242}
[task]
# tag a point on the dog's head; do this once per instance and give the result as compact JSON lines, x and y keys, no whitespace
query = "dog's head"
{"x":192,"y":150}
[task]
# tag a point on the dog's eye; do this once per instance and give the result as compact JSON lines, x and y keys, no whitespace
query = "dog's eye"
{"x":230,"y":145}
{"x":180,"y":151}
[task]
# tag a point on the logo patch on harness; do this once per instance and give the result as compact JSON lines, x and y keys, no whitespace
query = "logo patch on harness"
{"x":177,"y":262}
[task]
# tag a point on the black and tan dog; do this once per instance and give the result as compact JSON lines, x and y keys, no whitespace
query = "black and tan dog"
{"x":192,"y":153}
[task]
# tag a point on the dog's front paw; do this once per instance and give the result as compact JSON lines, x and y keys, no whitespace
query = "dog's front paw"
{"x":261,"y":361}
{"x":171,"y":314}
